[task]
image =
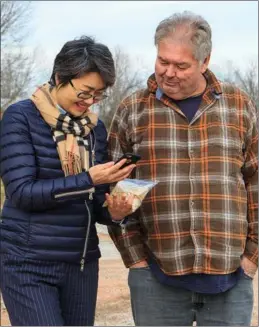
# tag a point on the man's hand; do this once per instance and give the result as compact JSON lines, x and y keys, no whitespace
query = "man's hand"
{"x":119,"y":206}
{"x":109,"y":172}
{"x":249,"y":267}
{"x":140,"y":264}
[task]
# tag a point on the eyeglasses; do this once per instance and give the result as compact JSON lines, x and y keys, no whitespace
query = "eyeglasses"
{"x":85,"y":95}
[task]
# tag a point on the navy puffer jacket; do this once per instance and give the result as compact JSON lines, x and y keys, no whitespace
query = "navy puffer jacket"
{"x":47,"y":216}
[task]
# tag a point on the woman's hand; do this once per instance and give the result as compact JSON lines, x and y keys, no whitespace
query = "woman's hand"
{"x":109,"y":172}
{"x":119,"y":205}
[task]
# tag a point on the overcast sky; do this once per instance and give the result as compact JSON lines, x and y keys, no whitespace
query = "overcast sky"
{"x":131,"y":25}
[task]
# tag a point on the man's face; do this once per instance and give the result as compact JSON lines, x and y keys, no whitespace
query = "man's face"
{"x":177,"y":72}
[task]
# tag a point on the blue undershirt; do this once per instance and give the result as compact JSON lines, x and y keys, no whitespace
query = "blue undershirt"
{"x":61,"y":110}
{"x":200,"y":283}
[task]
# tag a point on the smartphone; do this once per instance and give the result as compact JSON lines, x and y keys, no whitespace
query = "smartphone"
{"x":131,"y":159}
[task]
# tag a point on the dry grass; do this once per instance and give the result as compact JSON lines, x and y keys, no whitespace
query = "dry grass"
{"x":113,"y":302}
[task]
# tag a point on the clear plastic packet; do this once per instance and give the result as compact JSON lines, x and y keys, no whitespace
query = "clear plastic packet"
{"x":138,"y":187}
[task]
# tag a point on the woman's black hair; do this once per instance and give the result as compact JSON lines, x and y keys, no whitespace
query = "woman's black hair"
{"x":82,"y":56}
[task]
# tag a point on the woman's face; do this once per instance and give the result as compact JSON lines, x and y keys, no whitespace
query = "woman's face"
{"x":69,"y":97}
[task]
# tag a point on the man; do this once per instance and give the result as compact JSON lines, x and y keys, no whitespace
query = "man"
{"x":192,"y":246}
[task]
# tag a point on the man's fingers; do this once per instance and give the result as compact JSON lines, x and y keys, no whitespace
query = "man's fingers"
{"x":115,"y":200}
{"x":130,"y":198}
{"x":123,"y":197}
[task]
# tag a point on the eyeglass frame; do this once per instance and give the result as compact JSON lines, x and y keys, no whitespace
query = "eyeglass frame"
{"x":89,"y":95}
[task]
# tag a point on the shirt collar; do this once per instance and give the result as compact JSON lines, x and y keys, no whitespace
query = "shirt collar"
{"x":61,"y":110}
{"x":213,"y":84}
{"x":159,"y":93}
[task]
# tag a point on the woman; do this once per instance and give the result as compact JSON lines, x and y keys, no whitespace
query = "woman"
{"x":55,"y":172}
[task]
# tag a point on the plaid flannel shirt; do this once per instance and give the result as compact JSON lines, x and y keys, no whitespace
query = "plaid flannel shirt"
{"x":202,"y":215}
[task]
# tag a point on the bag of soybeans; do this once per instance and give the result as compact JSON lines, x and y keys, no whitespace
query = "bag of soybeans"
{"x":138,"y":187}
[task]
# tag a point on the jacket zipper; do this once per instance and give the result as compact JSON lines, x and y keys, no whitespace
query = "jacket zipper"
{"x":92,"y":146}
{"x":82,"y":262}
{"x":123,"y":230}
{"x":74,"y":192}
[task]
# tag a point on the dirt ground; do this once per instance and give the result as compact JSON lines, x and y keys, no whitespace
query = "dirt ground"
{"x":113,"y":303}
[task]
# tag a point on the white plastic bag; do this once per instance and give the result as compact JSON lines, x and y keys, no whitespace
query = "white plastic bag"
{"x":138,"y":187}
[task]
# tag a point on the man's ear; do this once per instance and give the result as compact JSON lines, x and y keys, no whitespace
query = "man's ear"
{"x":205,"y":64}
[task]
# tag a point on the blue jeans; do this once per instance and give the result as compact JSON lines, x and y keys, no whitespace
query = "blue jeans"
{"x":155,"y":304}
{"x":47,"y":293}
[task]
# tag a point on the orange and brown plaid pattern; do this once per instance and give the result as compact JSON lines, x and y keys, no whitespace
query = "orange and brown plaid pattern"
{"x":202,"y":216}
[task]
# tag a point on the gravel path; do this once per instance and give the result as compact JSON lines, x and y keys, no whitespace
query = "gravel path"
{"x":113,"y":302}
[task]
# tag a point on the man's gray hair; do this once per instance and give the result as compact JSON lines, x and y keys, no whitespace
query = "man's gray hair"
{"x":191,"y":26}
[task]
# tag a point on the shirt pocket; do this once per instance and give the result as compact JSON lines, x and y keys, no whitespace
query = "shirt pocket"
{"x":224,"y":135}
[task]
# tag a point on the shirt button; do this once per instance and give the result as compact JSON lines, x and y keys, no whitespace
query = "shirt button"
{"x":191,"y":153}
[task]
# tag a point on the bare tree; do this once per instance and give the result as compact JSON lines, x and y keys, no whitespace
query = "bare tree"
{"x":16,"y":65}
{"x":16,"y":75}
{"x":127,"y":82}
{"x":247,"y":80}
{"x":14,"y":16}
